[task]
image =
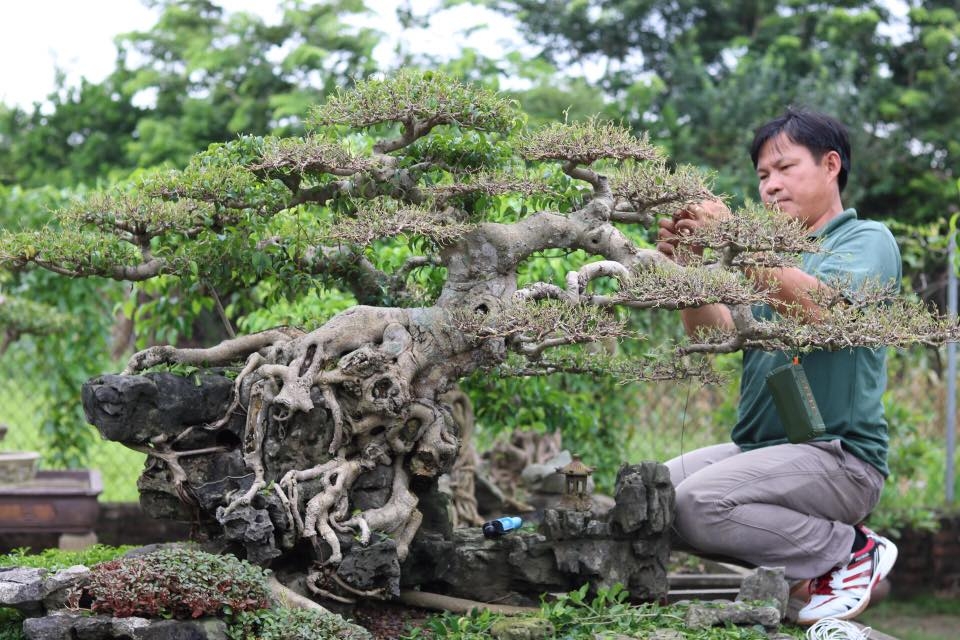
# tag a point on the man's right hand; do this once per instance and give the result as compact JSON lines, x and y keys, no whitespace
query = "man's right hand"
{"x":685,"y":221}
{"x":667,"y":237}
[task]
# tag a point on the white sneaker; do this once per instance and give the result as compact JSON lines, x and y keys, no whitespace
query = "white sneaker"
{"x":889,"y":556}
{"x":843,"y":593}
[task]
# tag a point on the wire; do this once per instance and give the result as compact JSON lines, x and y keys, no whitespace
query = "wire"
{"x":834,"y":629}
{"x":683,"y":422}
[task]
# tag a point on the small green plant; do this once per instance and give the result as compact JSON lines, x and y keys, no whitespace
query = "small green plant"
{"x":578,"y":616}
{"x":291,"y":624}
{"x":175,"y":583}
{"x":56,"y":559}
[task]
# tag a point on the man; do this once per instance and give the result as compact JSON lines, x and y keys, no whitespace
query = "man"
{"x":761,"y":499}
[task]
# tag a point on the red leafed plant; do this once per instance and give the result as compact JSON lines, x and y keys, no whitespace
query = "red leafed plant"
{"x":174,"y":583}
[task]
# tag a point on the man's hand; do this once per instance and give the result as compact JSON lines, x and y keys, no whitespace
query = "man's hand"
{"x":685,"y":221}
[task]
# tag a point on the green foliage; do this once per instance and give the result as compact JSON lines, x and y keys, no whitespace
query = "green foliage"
{"x":176,"y":582}
{"x":594,"y":416}
{"x":410,"y":95}
{"x":19,"y":316}
{"x":290,"y":624}
{"x":57,"y":559}
{"x":913,"y":493}
{"x":580,"y":616}
{"x":11,"y":620}
{"x":11,"y":624}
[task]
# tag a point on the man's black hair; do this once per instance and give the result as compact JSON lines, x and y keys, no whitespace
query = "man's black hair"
{"x":816,"y":131}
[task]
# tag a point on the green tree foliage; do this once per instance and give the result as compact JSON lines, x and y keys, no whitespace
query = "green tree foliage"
{"x":699,"y":75}
{"x":212,"y":76}
{"x":198,"y":76}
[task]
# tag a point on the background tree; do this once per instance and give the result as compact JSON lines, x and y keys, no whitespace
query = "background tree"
{"x":700,"y":75}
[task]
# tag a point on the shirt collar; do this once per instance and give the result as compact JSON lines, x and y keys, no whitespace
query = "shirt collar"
{"x":845,"y":216}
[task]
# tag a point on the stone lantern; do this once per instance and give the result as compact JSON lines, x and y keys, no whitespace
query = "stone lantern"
{"x":575,"y":494}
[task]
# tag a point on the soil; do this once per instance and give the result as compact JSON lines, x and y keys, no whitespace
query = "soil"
{"x":387,"y":620}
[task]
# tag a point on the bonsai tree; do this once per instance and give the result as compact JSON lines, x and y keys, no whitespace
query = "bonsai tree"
{"x":426,"y":201}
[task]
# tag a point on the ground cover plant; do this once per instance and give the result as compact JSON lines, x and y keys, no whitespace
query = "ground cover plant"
{"x":153,"y":593}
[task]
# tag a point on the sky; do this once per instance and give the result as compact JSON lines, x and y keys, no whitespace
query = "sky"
{"x":39,"y":36}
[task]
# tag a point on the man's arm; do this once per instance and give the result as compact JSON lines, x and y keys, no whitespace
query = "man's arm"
{"x":707,"y":316}
{"x":790,"y":290}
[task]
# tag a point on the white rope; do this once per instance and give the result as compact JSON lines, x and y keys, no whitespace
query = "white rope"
{"x":833,"y":629}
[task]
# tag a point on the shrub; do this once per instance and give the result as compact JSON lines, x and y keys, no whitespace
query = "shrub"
{"x":292,"y":624}
{"x":178,"y":582}
{"x":58,"y":559}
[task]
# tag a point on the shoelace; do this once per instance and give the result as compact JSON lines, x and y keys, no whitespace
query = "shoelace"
{"x":833,"y":629}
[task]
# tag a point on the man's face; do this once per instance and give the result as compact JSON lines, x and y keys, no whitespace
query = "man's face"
{"x":792,"y":181}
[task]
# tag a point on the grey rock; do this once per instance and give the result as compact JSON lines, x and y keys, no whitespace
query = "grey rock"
{"x":372,"y":489}
{"x":701,"y":616}
{"x":137,"y":408}
{"x":373,"y":567}
{"x":76,"y":626}
{"x":22,"y":588}
{"x":644,"y":497}
{"x":253,"y":529}
{"x":490,"y":498}
{"x":666,"y":634}
{"x":202,"y":629}
{"x":766,"y":584}
{"x":57,"y":587}
{"x":522,"y":629}
{"x":543,"y":477}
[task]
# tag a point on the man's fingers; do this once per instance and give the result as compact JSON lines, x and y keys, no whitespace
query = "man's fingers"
{"x":666,"y":249}
{"x":685,"y":227}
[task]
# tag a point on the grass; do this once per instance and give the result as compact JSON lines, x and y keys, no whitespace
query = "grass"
{"x":918,"y":618}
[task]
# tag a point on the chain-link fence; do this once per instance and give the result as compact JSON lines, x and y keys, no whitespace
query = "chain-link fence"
{"x":23,"y":402}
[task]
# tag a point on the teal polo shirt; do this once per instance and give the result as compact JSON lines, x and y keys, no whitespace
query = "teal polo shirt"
{"x":847,"y":384}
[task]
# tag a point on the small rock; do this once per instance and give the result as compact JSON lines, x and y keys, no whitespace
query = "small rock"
{"x":522,"y":629}
{"x":202,"y":629}
{"x":22,"y":588}
{"x":666,"y":634}
{"x":766,"y":584}
{"x":701,"y":616}
{"x":57,"y":587}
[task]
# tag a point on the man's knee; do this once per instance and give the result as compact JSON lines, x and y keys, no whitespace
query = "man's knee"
{"x":699,"y":510}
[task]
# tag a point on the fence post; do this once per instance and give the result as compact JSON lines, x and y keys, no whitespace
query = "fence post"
{"x":951,"y":362}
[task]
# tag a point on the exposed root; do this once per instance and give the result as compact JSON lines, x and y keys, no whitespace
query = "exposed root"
{"x":160,"y":451}
{"x":398,"y":517}
{"x":322,"y":508}
{"x":253,"y":434}
{"x":437,"y":602}
{"x":291,"y":599}
{"x":379,"y":594}
{"x":463,"y":474}
{"x":314,"y":576}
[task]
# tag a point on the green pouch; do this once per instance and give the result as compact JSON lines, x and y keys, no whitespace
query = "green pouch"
{"x":795,"y":403}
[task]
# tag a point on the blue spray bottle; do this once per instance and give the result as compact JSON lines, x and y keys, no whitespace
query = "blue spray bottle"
{"x":500,"y":526}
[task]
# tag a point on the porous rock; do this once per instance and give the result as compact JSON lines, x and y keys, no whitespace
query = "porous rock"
{"x":522,"y":629}
{"x":703,"y":615}
{"x":766,"y":584}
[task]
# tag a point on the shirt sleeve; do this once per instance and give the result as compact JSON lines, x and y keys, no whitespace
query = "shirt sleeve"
{"x":868,"y":257}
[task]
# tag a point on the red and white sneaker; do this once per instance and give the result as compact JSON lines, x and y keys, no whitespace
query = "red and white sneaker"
{"x":843,"y":593}
{"x":888,"y":558}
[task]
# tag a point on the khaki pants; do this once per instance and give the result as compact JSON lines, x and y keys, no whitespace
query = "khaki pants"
{"x":789,"y":505}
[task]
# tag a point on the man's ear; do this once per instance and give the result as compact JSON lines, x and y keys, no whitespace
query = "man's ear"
{"x":831,"y":161}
